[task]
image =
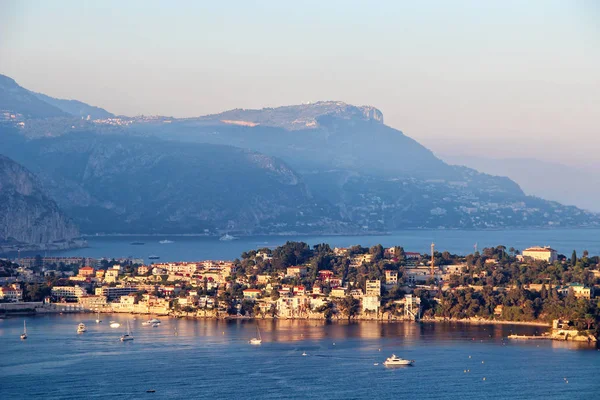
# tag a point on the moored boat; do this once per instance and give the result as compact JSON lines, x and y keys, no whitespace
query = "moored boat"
{"x":24,"y":334}
{"x":127,"y":337}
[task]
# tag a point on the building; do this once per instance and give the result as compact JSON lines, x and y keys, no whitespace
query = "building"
{"x":68,"y":293}
{"x":86,"y":271}
{"x":580,"y":291}
{"x":115,"y":292}
{"x":410,"y":255}
{"x":391,"y":277}
{"x":11,"y":293}
{"x":93,"y":302}
{"x":547,"y":254}
{"x":296,"y":271}
{"x":373,"y":288}
{"x":338,"y":292}
{"x":370,"y":303}
{"x":143,"y":270}
{"x":251,"y":294}
{"x":111,"y":276}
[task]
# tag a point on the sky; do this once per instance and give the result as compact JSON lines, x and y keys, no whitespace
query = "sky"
{"x":484,"y":78}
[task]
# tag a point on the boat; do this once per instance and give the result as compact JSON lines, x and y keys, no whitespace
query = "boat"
{"x":127,"y":337}
{"x":394,"y":361}
{"x":227,"y":237}
{"x":24,"y":334}
{"x":155,"y":324}
{"x":304,"y":353}
{"x":153,"y":257}
{"x":165,"y":241}
{"x":146,"y":323}
{"x":98,"y":320}
{"x":256,"y":340}
{"x":114,"y":324}
{"x":154,"y":321}
{"x":81,"y":328}
{"x":137,"y":243}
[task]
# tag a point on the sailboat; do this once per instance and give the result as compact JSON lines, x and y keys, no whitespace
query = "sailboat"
{"x":98,"y":320}
{"x":24,"y":334}
{"x":258,"y":340}
{"x":127,"y":337}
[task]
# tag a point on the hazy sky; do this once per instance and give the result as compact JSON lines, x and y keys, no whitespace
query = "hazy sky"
{"x":518,"y":78}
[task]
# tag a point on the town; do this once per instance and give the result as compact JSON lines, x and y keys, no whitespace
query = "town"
{"x":295,"y":281}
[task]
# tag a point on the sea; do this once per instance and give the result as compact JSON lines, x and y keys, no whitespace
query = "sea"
{"x":193,"y":248}
{"x":209,"y":359}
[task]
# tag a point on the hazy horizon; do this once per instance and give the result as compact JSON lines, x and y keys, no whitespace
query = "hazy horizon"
{"x":505,"y":79}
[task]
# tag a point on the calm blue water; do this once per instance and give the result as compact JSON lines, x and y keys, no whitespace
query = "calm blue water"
{"x":459,"y":242}
{"x":211,"y":359}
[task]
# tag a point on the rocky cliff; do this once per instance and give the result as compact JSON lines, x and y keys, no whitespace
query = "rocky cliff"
{"x":27,"y":215}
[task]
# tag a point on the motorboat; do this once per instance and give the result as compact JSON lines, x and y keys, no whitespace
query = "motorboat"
{"x":394,"y":361}
{"x":81,"y":328}
{"x":155,"y":324}
{"x":154,"y":321}
{"x":165,"y":241}
{"x":127,"y":337}
{"x":304,"y":353}
{"x":24,"y":334}
{"x":114,"y":324}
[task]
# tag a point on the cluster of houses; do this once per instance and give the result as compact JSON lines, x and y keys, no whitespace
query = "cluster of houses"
{"x":164,"y":288}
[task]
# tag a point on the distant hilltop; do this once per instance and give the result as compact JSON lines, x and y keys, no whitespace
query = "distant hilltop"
{"x":294,"y":117}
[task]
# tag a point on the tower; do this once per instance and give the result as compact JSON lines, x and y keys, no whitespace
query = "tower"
{"x":432,"y":260}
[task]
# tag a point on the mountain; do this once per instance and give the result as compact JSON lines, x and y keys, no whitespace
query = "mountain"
{"x":325,"y":167}
{"x":27,"y":215}
{"x":75,"y":108}
{"x":17,"y":100}
{"x":577,"y":186}
{"x":130,"y":184}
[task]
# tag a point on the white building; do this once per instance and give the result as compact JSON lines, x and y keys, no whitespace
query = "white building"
{"x":541,"y":253}
{"x":68,"y":292}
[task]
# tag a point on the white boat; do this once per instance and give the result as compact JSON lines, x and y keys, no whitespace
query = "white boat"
{"x":304,"y":353}
{"x":98,"y":320}
{"x":397,"y":361}
{"x":155,"y":324}
{"x":146,"y":323}
{"x":114,"y":324}
{"x":166,"y":241}
{"x":256,"y":340}
{"x":154,"y":321}
{"x":127,"y":337}
{"x":227,"y":237}
{"x":24,"y":334}
{"x":81,"y":328}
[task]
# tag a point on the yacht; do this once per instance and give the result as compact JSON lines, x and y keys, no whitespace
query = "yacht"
{"x":98,"y":320}
{"x":165,"y":241}
{"x":256,"y":340}
{"x":127,"y":337}
{"x":227,"y":237}
{"x":154,"y":321}
{"x":81,"y":328}
{"x":397,"y":361}
{"x":114,"y":324}
{"x":24,"y":334}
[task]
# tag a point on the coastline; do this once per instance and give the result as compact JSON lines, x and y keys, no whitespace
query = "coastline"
{"x":481,"y":321}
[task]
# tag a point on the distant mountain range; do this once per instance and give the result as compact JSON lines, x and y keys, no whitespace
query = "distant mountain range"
{"x":325,"y":167}
{"x":550,"y":180}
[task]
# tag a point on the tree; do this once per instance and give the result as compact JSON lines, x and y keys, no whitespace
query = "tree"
{"x":349,"y":306}
{"x":574,"y":258}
